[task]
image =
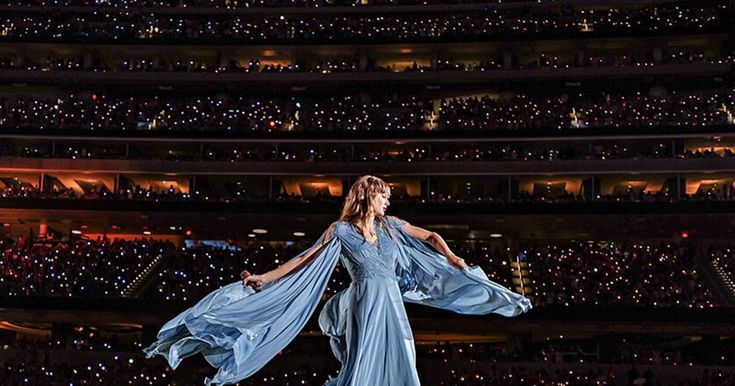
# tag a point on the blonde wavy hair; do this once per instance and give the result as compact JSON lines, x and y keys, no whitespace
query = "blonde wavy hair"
{"x":357,"y":202}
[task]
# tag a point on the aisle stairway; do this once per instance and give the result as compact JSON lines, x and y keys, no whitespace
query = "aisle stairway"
{"x":144,"y":279}
{"x":720,"y":281}
{"x":521,"y":278}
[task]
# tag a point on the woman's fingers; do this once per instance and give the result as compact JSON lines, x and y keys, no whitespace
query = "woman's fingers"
{"x":459,"y":263}
{"x":253,"y":281}
{"x":246,"y":277}
{"x":255,"y":286}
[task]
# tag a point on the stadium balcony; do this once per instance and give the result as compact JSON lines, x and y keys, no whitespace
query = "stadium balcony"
{"x":558,"y":153}
{"x":312,"y":67}
{"x":476,"y":168}
{"x":324,"y":81}
{"x":561,"y":321}
{"x":221,"y":27}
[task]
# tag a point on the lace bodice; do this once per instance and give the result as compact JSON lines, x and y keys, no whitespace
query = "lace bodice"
{"x":364,"y":260}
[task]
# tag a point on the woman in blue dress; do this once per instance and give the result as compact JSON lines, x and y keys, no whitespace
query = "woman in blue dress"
{"x":240,"y":327}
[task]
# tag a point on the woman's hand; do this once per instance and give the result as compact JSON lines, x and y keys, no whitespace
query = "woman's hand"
{"x":457,"y":262}
{"x":253,"y":281}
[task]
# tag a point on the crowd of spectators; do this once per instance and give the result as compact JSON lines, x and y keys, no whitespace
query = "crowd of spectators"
{"x":523,"y":376}
{"x":627,"y":195}
{"x":32,"y":369}
{"x":650,"y":351}
{"x":565,"y":274}
{"x":133,"y":193}
{"x":626,"y":349}
{"x":346,"y":114}
{"x":80,"y":338}
{"x":524,"y":112}
{"x":146,"y":372}
{"x":102,"y":112}
{"x":539,"y":152}
{"x":358,"y":152}
{"x":306,"y":361}
{"x":198,"y":270}
{"x":635,"y":274}
{"x":140,"y":193}
{"x":231,"y":4}
{"x":568,"y":274}
{"x":82,"y":268}
{"x":622,"y":351}
{"x":134,"y":25}
{"x":478,"y":152}
{"x":551,"y":61}
{"x":164,"y":64}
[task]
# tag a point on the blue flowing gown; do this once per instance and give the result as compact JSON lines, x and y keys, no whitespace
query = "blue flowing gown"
{"x":238,"y":330}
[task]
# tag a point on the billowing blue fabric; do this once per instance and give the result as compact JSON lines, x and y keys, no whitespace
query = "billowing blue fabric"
{"x":239,"y":331}
{"x":429,"y":279}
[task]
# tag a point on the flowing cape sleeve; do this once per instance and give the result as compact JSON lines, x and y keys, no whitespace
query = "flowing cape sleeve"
{"x":426,"y":277}
{"x":239,"y":330}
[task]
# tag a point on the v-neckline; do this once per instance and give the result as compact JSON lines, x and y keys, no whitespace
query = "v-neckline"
{"x":376,"y":243}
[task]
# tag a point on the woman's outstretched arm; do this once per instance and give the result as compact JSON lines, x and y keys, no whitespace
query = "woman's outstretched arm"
{"x":438,"y":242}
{"x":257,"y":281}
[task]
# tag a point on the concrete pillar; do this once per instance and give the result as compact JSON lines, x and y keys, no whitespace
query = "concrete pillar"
{"x":658,"y":54}
{"x":362,"y":59}
{"x":296,"y":57}
{"x":510,"y":188}
{"x":507,"y":60}
{"x":270,"y":188}
{"x":88,"y":60}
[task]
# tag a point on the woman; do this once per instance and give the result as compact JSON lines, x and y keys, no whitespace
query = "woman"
{"x":240,"y":327}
